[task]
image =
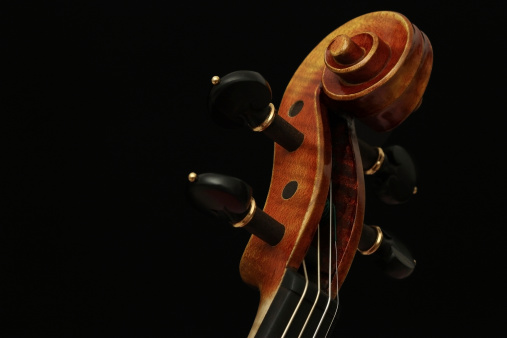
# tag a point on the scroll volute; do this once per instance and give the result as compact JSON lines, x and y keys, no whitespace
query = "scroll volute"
{"x":377,"y":67}
{"x":320,"y":101}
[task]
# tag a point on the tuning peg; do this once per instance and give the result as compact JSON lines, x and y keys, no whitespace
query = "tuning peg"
{"x":393,"y":172}
{"x":244,"y":98}
{"x":230,"y":199}
{"x":396,"y":259}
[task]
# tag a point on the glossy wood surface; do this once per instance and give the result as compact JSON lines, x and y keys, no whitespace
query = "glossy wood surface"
{"x":387,"y":94}
{"x":329,"y":152}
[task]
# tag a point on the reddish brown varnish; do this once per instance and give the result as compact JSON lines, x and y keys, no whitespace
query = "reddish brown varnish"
{"x":376,"y":68}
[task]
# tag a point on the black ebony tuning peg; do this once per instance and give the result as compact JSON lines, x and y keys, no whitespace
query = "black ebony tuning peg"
{"x":230,"y":199}
{"x":392,"y":171}
{"x":243,"y":98}
{"x":396,"y":260}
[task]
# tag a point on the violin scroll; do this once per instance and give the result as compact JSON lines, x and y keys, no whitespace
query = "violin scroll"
{"x":377,"y":67}
{"x":374,"y":68}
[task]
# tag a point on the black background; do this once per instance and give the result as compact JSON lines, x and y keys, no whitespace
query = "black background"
{"x":104,"y":115}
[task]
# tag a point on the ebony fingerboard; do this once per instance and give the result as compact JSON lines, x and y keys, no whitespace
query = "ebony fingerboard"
{"x":285,"y":303}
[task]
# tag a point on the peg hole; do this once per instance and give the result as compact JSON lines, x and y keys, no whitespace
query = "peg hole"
{"x":290,"y":189}
{"x":296,"y":108}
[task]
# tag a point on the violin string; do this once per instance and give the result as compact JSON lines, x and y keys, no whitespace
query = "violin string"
{"x":330,"y":275}
{"x":336,"y":265}
{"x":332,"y":244}
{"x":299,"y":303}
{"x":337,"y":293}
{"x":318,"y":284}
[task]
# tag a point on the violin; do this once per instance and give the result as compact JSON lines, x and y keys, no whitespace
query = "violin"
{"x":373,"y":69}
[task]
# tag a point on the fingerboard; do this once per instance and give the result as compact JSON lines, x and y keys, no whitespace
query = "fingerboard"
{"x":306,"y":322}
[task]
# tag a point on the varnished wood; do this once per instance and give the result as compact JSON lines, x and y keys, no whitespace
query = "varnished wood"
{"x":393,"y":80}
{"x":262,"y":265}
{"x":375,"y":68}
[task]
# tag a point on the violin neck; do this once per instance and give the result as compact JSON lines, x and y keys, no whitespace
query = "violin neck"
{"x":298,"y":307}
